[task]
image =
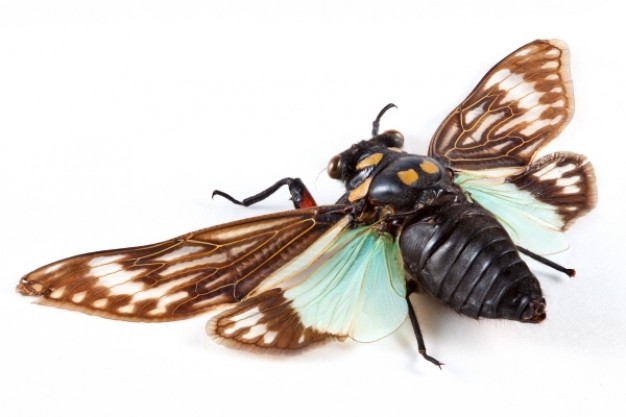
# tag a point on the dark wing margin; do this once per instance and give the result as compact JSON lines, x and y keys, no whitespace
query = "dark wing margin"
{"x":520,"y":105}
{"x":184,"y":276}
{"x":564,"y":180}
{"x":265,"y":323}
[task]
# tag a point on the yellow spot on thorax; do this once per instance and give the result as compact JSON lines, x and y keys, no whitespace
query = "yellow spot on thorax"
{"x":408,"y":177}
{"x":360,"y":191}
{"x":429,"y":167}
{"x":373,"y":159}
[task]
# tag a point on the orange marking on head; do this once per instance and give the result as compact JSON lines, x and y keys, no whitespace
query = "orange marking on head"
{"x":429,"y":167}
{"x":360,"y":191}
{"x":408,"y":177}
{"x":373,"y":159}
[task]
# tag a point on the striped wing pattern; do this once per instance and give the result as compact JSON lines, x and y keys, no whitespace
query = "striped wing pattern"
{"x":516,"y":109}
{"x":565,"y":181}
{"x":491,"y":140}
{"x":184,"y":276}
{"x":291,"y":279}
{"x":536,"y":204}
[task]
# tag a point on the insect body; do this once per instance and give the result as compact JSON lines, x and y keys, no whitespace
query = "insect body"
{"x":452,"y":248}
{"x":451,"y":223}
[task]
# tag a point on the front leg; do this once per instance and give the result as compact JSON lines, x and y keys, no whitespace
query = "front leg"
{"x":300,"y":195}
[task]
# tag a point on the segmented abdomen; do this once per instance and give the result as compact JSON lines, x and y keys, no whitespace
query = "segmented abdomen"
{"x":465,"y":258}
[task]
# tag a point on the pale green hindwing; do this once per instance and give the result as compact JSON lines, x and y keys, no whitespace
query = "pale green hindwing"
{"x":531,"y":223}
{"x":358,"y":290}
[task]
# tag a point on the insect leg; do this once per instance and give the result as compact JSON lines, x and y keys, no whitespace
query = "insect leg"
{"x":300,"y":195}
{"x":569,"y":272}
{"x":418,"y":334}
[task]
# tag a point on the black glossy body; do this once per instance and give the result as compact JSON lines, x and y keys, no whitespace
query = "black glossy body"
{"x":452,"y":248}
{"x":462,"y":255}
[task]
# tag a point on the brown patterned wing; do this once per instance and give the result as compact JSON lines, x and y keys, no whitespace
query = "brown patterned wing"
{"x":266,"y":323}
{"x":184,"y":276}
{"x":564,"y":180}
{"x":517,"y":108}
{"x":535,"y":204}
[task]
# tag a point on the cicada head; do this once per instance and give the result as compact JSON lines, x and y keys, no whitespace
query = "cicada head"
{"x":365,"y":154}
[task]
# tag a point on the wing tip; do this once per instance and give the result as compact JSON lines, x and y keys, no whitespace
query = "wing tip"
{"x":565,"y":73}
{"x":591,"y":194}
{"x":29,"y":288}
{"x":557,"y":43}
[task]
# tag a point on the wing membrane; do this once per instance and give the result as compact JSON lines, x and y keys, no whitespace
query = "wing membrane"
{"x":350,"y":285}
{"x":516,"y":109}
{"x":536,"y":204}
{"x":565,"y":181}
{"x":184,"y":276}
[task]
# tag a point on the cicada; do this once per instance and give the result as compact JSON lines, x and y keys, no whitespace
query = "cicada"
{"x":451,"y":223}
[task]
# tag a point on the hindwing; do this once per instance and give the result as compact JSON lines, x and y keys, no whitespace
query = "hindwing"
{"x":348,"y":284}
{"x":563,"y":180}
{"x":537,"y":203}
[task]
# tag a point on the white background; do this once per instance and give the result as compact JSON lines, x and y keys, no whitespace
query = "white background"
{"x":118,"y":119}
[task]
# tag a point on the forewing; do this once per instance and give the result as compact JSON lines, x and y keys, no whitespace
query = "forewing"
{"x":516,"y":109}
{"x":352,"y":285}
{"x":536,"y":204}
{"x":184,"y":276}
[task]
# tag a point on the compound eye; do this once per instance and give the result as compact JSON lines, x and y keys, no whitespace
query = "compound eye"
{"x":393,"y":139}
{"x":334,"y":167}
